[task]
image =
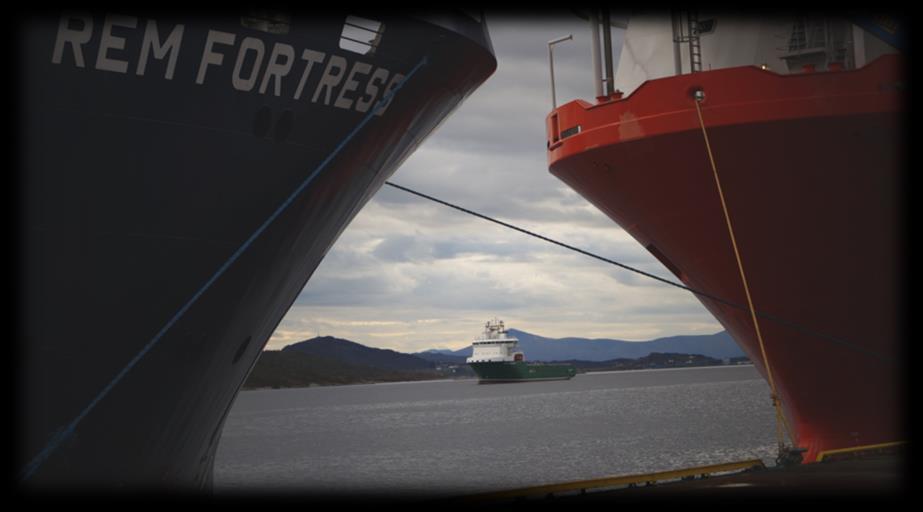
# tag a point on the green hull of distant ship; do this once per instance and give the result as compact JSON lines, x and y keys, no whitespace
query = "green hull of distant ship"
{"x":517,"y":371}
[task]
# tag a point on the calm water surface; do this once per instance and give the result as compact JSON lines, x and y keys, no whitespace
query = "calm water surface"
{"x":458,"y":437}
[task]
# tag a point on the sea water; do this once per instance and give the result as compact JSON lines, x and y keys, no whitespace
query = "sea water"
{"x":447,"y":438}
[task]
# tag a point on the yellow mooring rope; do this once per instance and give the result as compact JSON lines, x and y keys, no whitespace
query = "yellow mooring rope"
{"x":776,"y":402}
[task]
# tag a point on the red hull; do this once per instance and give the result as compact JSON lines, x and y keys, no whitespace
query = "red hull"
{"x":810,"y":168}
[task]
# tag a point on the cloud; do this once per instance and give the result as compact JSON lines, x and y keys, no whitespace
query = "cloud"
{"x":411,"y":275}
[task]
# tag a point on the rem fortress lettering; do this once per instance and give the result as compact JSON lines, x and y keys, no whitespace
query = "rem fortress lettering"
{"x":179,"y":182}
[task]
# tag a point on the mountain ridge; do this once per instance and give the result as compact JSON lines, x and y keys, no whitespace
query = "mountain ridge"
{"x":358,"y":354}
{"x":719,"y":345}
{"x":327,"y":360}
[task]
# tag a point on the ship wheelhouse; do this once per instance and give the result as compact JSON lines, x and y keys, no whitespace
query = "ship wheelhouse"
{"x":495,"y":345}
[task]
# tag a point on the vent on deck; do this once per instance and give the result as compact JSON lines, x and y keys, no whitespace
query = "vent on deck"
{"x":361,"y":35}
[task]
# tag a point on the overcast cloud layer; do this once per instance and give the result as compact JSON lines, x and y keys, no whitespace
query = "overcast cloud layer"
{"x":411,"y":275}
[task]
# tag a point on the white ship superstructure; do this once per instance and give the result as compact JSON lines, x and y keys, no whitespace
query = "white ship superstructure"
{"x":662,"y":44}
{"x":495,"y":345}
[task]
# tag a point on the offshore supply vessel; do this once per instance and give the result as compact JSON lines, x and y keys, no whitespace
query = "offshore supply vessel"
{"x":494,"y":359}
{"x":759,"y":161}
{"x":179,"y":180}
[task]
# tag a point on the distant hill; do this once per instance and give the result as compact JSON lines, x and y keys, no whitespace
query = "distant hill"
{"x":330,"y":361}
{"x":441,"y":356}
{"x":537,"y":348}
{"x":286,"y":369}
{"x":652,"y":360}
{"x":356,"y":354}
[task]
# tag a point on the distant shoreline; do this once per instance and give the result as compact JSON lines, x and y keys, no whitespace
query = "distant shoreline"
{"x":420,"y":381}
{"x":430,"y":381}
{"x":669,"y":369}
{"x":331,"y":361}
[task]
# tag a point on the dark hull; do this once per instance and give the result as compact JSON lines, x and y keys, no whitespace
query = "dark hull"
{"x":145,"y":299}
{"x":810,"y":169}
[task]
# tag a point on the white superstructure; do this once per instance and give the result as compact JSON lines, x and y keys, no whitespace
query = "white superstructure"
{"x":662,"y":44}
{"x":495,"y":345}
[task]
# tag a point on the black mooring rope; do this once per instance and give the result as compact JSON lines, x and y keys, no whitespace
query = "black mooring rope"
{"x":789,"y":324}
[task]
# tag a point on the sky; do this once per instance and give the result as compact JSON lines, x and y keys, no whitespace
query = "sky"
{"x":411,"y":275}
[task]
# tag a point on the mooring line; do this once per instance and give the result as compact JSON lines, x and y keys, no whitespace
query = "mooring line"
{"x":780,"y":321}
{"x":781,"y":423}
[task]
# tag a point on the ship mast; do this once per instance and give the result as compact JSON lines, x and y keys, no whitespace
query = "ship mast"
{"x":602,"y":62}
